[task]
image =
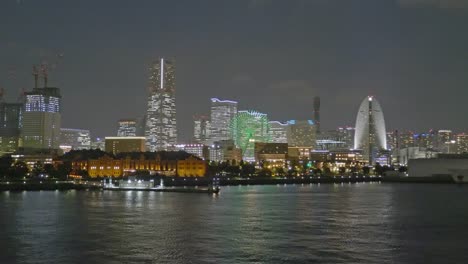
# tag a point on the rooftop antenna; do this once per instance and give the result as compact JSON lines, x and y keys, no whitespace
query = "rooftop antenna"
{"x":45,"y":73}
{"x":35,"y":73}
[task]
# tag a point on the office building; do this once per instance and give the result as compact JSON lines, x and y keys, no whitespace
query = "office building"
{"x":41,"y":118}
{"x":161,"y":127}
{"x":127,"y":128}
{"x":222,"y":112}
{"x":301,"y":133}
{"x":462,"y":143}
{"x":76,"y":139}
{"x":278,"y":132}
{"x":11,"y":115}
{"x":201,"y":129}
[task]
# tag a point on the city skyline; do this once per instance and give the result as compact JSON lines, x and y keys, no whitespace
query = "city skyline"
{"x":400,"y":58}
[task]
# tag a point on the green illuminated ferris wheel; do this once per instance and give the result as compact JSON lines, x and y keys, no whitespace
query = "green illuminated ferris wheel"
{"x":248,"y":127}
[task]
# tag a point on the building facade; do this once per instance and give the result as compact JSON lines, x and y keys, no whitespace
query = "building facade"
{"x":301,"y":133}
{"x":161,"y":127}
{"x":76,"y":139}
{"x":278,"y":132}
{"x":127,"y":128}
{"x":11,"y":115}
{"x":222,"y":112}
{"x":201,"y":129}
{"x":117,"y":145}
{"x":370,"y":136}
{"x":41,"y":119}
{"x":117,"y":167}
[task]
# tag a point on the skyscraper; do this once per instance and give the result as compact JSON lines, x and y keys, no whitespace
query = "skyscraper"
{"x":317,"y":113}
{"x":41,"y":116}
{"x":161,"y":127}
{"x":10,"y":124}
{"x":127,"y":128}
{"x":222,"y":112}
{"x":201,"y":129}
{"x":370,"y":135}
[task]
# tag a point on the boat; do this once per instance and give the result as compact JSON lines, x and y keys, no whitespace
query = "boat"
{"x":139,"y":185}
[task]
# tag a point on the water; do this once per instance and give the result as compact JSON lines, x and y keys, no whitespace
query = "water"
{"x":350,"y":223}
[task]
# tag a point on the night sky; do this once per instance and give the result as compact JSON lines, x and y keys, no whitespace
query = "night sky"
{"x":271,"y":56}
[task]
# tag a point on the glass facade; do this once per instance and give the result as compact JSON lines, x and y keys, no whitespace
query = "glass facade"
{"x":161,"y":126}
{"x":222,"y":112}
{"x":127,"y":128}
{"x":41,"y":119}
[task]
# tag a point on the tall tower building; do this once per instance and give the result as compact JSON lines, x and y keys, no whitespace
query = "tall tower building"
{"x":127,"y":128}
{"x":161,"y":127}
{"x":11,"y":115}
{"x":41,"y":116}
{"x":201,"y":129}
{"x":222,"y":112}
{"x":370,"y":135}
{"x":317,"y":113}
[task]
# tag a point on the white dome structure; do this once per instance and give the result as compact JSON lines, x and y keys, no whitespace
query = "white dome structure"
{"x":370,"y":135}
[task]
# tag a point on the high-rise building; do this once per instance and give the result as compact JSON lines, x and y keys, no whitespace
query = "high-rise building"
{"x":444,"y":138}
{"x":462,"y":143}
{"x":301,"y":133}
{"x":248,"y":127}
{"x":426,"y":140}
{"x":405,"y":139}
{"x":127,"y":128}
{"x":370,"y":136}
{"x":10,"y":124}
{"x":75,"y":138}
{"x":41,"y":119}
{"x":278,"y":132}
{"x":222,"y":112}
{"x":161,"y":129}
{"x":201,"y":129}
{"x":317,"y":113}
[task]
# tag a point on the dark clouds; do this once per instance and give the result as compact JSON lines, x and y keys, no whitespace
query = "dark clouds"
{"x":271,"y":56}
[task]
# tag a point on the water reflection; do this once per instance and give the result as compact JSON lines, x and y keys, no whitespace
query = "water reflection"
{"x":361,"y":223}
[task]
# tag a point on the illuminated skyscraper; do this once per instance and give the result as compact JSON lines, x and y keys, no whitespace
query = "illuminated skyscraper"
{"x":201,"y":129}
{"x":161,"y":127}
{"x":127,"y":128}
{"x":222,"y":112}
{"x":370,"y":136}
{"x":41,"y":119}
